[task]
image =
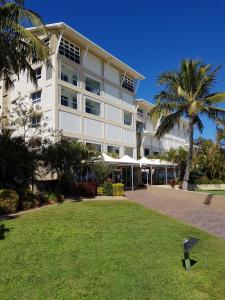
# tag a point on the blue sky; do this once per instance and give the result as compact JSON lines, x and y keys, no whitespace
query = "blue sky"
{"x":150,"y":36}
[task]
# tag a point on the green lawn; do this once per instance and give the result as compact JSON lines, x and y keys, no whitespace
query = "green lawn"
{"x":214,"y":192}
{"x":106,"y":250}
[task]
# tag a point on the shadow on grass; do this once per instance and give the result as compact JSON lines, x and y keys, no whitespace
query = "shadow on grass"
{"x":3,"y":231}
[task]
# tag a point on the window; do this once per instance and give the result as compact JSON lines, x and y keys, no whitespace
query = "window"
{"x":35,"y":121}
{"x":92,"y":107}
{"x":65,"y":76}
{"x":113,"y":149}
{"x":129,"y":151}
{"x":127,"y":83}
{"x":94,"y":147}
{"x":68,"y":98}
{"x":140,"y":112}
{"x":38,"y":73}
{"x":36,"y":97}
{"x":127,"y":118}
{"x":146,"y":151}
{"x":92,"y":86}
{"x":46,"y":41}
{"x":140,"y":126}
{"x":69,"y":50}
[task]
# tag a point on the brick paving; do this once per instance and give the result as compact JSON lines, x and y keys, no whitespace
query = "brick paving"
{"x":201,"y":210}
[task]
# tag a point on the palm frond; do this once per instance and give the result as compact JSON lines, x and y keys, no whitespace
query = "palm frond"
{"x":167,"y":123}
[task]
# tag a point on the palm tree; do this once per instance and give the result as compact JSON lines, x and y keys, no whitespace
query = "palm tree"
{"x":187,"y":93}
{"x":18,"y":45}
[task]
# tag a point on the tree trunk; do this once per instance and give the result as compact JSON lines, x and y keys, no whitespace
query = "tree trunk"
{"x":189,"y":158}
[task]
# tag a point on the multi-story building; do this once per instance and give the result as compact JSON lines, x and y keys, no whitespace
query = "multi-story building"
{"x":147,"y":143}
{"x":85,"y":92}
{"x":89,"y":95}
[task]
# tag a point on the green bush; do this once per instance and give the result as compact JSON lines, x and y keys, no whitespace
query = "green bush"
{"x":28,"y":200}
{"x":118,"y":189}
{"x":100,"y":191}
{"x":8,"y":201}
{"x":50,"y":198}
{"x":217,"y":181}
{"x":108,"y":188}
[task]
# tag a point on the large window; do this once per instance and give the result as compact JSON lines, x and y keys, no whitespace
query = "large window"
{"x":127,"y":83}
{"x":36,"y":97}
{"x":128,"y":118}
{"x":92,"y":85}
{"x":92,"y":107}
{"x":140,"y":112}
{"x":94,"y":147}
{"x":35,"y":121}
{"x":68,"y":98}
{"x":113,"y":149}
{"x":69,"y":75}
{"x":69,"y":50}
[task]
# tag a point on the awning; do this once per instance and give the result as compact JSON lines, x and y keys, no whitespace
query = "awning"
{"x":155,"y":162}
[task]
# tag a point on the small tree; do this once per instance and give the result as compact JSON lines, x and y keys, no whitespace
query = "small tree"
{"x":66,"y":158}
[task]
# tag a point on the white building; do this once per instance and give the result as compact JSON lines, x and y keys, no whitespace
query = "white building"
{"x":89,"y":95}
{"x":147,"y":144}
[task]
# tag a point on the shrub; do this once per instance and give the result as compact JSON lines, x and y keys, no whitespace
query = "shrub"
{"x":118,"y":189}
{"x":202,"y":180}
{"x":85,"y":189}
{"x":216,"y":181}
{"x":108,"y":188}
{"x":100,"y":191}
{"x":50,"y":198}
{"x":28,"y":200}
{"x":8,"y":201}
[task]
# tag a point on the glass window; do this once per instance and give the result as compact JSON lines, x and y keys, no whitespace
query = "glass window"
{"x":38,"y":73}
{"x":129,"y":151}
{"x":92,"y":107}
{"x":36,"y":97}
{"x":127,"y":118}
{"x":140,"y":112}
{"x":69,"y":50}
{"x":46,"y":41}
{"x":113,"y":149}
{"x":127,"y":83}
{"x":68,"y":98}
{"x":92,"y":86}
{"x":35,"y":121}
{"x":94,"y":147}
{"x":140,"y":126}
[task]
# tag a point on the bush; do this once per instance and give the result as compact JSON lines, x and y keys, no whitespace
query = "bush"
{"x":50,"y":198}
{"x":85,"y":189}
{"x":28,"y":200}
{"x":216,"y":181}
{"x":8,"y":201}
{"x":108,"y":187}
{"x":202,"y":180}
{"x":118,"y":189}
{"x":100,"y":191}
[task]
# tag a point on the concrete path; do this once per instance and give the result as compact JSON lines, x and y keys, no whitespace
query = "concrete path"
{"x":201,"y":210}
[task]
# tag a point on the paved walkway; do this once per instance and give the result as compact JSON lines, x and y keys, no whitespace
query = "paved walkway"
{"x":202,"y":210}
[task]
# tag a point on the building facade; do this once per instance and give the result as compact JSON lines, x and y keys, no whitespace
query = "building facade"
{"x":89,"y":95}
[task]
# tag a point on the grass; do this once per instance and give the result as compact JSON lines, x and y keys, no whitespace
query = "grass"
{"x":214,"y":192}
{"x":106,"y":250}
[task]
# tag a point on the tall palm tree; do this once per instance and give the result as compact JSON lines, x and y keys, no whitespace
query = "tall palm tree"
{"x":187,"y":93}
{"x":18,"y":45}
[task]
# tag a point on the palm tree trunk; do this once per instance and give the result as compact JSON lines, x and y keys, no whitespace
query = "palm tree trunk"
{"x":189,"y":158}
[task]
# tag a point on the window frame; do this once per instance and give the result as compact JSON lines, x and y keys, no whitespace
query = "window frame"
{"x":70,"y":50}
{"x":36,"y":100}
{"x":127,"y":83}
{"x":100,"y":106}
{"x":124,"y":112}
{"x":36,"y":124}
{"x":64,"y":99}
{"x":94,"y":79}
{"x":38,"y":76}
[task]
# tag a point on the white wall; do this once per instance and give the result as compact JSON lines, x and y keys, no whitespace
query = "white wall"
{"x":113,"y":113}
{"x":93,"y":128}
{"x":113,"y":133}
{"x":69,"y":122}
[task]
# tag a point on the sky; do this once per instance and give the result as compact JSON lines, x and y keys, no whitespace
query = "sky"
{"x":150,"y":36}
